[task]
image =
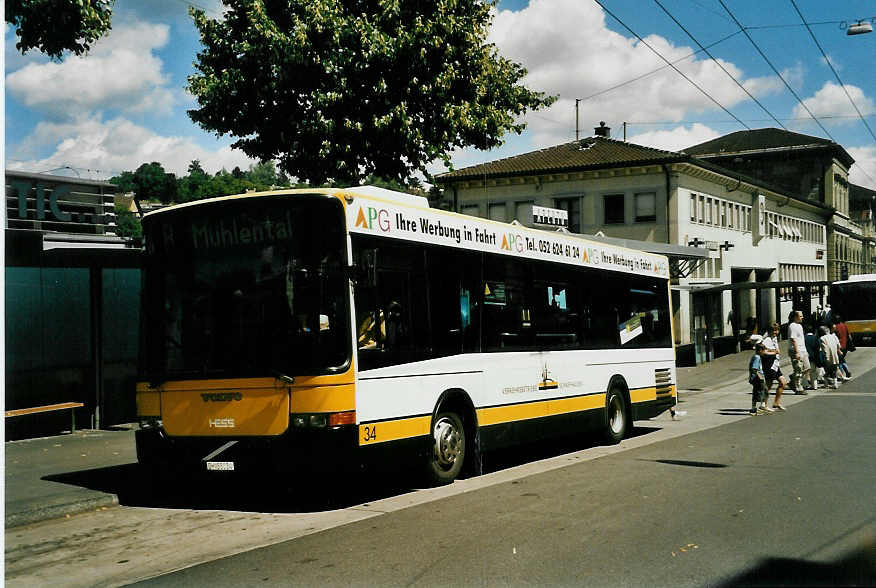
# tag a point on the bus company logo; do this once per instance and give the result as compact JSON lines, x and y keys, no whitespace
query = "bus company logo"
{"x":547,"y":383}
{"x":221,"y":423}
{"x":373,"y":218}
{"x":221,"y":396}
{"x":590,"y":255}
{"x":512,"y":242}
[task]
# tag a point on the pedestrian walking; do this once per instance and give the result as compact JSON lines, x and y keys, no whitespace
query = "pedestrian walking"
{"x":830,"y":357}
{"x":756,"y":378}
{"x":813,"y":347}
{"x":797,"y":351}
{"x":842,"y":333}
{"x":771,"y":359}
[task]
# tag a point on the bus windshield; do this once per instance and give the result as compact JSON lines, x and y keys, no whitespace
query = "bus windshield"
{"x":244,"y":288}
{"x":854,"y":300}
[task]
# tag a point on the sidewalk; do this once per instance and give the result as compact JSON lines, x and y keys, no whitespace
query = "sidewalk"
{"x":53,"y":477}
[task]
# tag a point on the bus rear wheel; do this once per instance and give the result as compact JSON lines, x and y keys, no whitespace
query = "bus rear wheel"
{"x":617,"y":417}
{"x":448,"y":449}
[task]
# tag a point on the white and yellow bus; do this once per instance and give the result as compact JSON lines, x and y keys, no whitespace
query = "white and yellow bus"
{"x":855,"y":301}
{"x":320,"y":328}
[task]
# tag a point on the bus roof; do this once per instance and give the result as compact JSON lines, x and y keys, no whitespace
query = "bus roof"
{"x":390,"y":214}
{"x":858,"y":278}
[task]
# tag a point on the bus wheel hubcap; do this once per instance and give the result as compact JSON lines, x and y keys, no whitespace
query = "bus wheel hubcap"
{"x":617,"y":415}
{"x":448,"y":442}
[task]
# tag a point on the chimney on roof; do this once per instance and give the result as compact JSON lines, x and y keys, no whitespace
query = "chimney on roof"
{"x":602,"y":130}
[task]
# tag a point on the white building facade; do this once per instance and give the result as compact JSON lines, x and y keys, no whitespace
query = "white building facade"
{"x":753,"y":233}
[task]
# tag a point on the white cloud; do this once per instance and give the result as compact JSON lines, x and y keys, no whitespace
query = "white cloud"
{"x":120,"y":72}
{"x":568,"y":50}
{"x":831,"y":100}
{"x":117,"y":145}
{"x":675,"y":139}
{"x":865,"y":161}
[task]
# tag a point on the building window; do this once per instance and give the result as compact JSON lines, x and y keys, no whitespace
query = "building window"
{"x":573,"y":207}
{"x":523,"y":212}
{"x":470,"y":209}
{"x":646,"y":207}
{"x":614,"y":209}
{"x":693,"y":208}
{"x":700,"y":208}
{"x":497,"y":212}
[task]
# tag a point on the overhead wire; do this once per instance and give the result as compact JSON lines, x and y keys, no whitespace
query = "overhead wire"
{"x":678,"y":71}
{"x":830,"y":65}
{"x":661,"y":68}
{"x":718,"y":63}
{"x":781,"y":77}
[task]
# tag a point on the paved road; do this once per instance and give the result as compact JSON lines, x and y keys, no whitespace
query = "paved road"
{"x":158,"y":531}
{"x":782,"y":498}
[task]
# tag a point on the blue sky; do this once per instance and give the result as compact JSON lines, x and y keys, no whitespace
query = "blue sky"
{"x":124,"y":103}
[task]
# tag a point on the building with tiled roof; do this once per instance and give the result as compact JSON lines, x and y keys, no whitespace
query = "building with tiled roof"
{"x":807,"y":168}
{"x":759,"y":228}
{"x":589,"y":153}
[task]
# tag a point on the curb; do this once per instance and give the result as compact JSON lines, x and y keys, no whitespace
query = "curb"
{"x":57,"y":511}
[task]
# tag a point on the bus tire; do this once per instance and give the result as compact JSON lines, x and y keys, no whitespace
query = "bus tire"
{"x":447,"y":454}
{"x":617,"y":416}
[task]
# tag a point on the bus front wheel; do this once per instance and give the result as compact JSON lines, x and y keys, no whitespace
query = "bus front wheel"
{"x":617,"y":417}
{"x":448,"y":449}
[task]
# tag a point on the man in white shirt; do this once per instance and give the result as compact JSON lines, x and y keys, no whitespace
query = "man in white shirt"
{"x":797,"y":351}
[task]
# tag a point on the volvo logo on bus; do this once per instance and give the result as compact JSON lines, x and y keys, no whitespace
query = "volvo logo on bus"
{"x":221,"y":396}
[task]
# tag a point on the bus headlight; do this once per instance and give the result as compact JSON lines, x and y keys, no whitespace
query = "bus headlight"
{"x":318,"y":420}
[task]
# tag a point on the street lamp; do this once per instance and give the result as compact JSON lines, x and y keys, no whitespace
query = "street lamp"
{"x":859,"y":28}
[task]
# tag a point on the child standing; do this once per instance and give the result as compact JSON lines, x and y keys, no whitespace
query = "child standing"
{"x":756,"y":378}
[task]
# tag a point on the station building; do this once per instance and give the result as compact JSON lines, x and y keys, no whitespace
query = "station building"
{"x":72,"y":304}
{"x":770,"y":241}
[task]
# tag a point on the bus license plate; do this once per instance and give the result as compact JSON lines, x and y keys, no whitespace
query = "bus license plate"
{"x":220,"y":466}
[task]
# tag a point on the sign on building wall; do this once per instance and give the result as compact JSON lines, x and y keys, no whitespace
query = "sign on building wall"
{"x":758,"y":219}
{"x":550,"y":217}
{"x":56,"y":204}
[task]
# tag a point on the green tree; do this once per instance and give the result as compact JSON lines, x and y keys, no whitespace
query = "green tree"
{"x":127,"y":223}
{"x":191,"y":186}
{"x":151,"y":182}
{"x":125,"y":181}
{"x":263,"y":174}
{"x":55,"y":26}
{"x":336,"y":90}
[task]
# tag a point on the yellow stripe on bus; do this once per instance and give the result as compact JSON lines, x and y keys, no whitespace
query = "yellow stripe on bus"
{"x":405,"y":428}
{"x":576,"y":404}
{"x":371,"y":433}
{"x":323,"y":398}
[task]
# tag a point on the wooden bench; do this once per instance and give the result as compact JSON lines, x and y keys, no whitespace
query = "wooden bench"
{"x":48,"y":408}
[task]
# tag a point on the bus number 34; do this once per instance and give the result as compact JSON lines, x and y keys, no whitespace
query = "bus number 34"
{"x":370,"y":433}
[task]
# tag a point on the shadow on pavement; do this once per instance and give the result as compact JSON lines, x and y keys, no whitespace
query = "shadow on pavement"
{"x":856,"y":569}
{"x":293,"y":493}
{"x":732,"y":411}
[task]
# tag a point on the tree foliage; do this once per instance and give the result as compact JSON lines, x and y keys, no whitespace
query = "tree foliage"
{"x":336,"y":90}
{"x":127,"y":223}
{"x":151,"y":183}
{"x":55,"y":26}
